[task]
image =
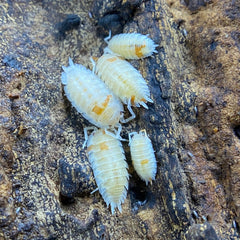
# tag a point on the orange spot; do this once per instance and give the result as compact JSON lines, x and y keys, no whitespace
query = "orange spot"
{"x":143,"y":100}
{"x":95,"y":58}
{"x":103,"y":146}
{"x":132,"y":100}
{"x":112,"y":59}
{"x":90,"y":148}
{"x":99,"y":109}
{"x":145,"y":161}
{"x":138,"y":50}
{"x":107,"y":100}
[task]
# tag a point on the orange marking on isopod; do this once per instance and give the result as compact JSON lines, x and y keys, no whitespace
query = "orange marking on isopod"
{"x":132,"y":99}
{"x":145,"y":161}
{"x":104,"y":146}
{"x":107,"y":100}
{"x":138,"y":50}
{"x":143,"y":100}
{"x":113,"y":59}
{"x":95,"y":58}
{"x":90,"y":148}
{"x":99,"y":110}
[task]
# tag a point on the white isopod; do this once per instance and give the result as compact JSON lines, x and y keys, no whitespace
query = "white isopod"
{"x":109,"y":167}
{"x":91,"y":97}
{"x":131,"y":45}
{"x":124,"y":80}
{"x":142,"y":155}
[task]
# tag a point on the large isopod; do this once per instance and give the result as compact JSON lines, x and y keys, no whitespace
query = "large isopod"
{"x":142,"y":155}
{"x":109,"y":167}
{"x":123,"y":79}
{"x":131,"y":45}
{"x":90,"y":96}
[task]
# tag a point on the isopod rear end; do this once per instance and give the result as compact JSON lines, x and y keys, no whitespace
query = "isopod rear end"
{"x":109,"y":167}
{"x":142,"y":155}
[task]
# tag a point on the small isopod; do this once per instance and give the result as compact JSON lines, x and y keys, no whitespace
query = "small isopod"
{"x":124,"y":80}
{"x":109,"y":167}
{"x":142,"y":155}
{"x":131,"y":45}
{"x":91,"y":97}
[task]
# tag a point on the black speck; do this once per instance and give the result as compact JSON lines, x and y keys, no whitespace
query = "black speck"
{"x":213,"y":45}
{"x":66,"y":200}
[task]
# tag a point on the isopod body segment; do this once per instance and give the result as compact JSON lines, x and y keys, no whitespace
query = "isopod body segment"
{"x":123,"y":79}
{"x":131,"y":45}
{"x":109,"y":167}
{"x":90,"y":96}
{"x":142,"y":155}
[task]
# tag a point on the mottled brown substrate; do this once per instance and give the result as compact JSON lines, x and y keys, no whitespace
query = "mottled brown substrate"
{"x":45,"y":176}
{"x":212,"y":145}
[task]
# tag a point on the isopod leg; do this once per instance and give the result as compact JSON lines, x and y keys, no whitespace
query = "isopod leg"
{"x":85,"y":130}
{"x":130,"y":137}
{"x":94,"y":64}
{"x":110,"y":133}
{"x":131,"y":111}
{"x":94,"y":191}
{"x":108,"y":37}
{"x":119,"y":131}
{"x":144,"y":132}
{"x":70,"y":62}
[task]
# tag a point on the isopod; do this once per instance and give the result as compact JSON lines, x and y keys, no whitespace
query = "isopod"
{"x":131,"y":45}
{"x":142,"y":155}
{"x":124,"y":80}
{"x":109,"y":167}
{"x":91,"y":97}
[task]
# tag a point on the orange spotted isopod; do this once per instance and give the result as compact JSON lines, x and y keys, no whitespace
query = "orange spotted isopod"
{"x":109,"y":167}
{"x":124,"y":80}
{"x":142,"y":155}
{"x":130,"y":45}
{"x":91,"y":97}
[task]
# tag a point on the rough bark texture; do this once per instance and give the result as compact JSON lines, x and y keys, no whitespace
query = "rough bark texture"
{"x":194,"y":123}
